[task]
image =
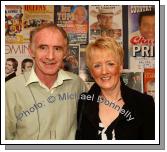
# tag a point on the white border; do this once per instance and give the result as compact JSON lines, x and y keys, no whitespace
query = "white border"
{"x":156,"y":141}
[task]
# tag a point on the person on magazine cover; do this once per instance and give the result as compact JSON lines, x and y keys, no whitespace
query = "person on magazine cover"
{"x":10,"y":68}
{"x":26,"y":65}
{"x":106,"y":25}
{"x":111,"y":110}
{"x":104,"y":19}
{"x":146,"y":26}
{"x":134,"y":81}
{"x":71,"y":64}
{"x":80,"y":15}
{"x":150,"y":85}
{"x":42,"y":103}
{"x":79,"y":21}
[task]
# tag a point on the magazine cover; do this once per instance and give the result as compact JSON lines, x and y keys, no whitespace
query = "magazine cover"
{"x":18,"y":54}
{"x":149,"y":82}
{"x":13,"y":24}
{"x":141,"y":27}
{"x":36,"y":15}
{"x":84,"y":71}
{"x":105,"y":20}
{"x":71,"y":62}
{"x":74,"y":20}
{"x":133,"y":79}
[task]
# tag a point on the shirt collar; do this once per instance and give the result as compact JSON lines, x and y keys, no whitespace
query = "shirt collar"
{"x":9,"y":74}
{"x":62,"y":75}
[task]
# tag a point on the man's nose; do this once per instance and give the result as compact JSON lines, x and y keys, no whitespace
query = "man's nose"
{"x":151,"y":29}
{"x":50,"y":54}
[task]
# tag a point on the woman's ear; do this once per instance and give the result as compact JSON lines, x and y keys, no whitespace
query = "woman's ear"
{"x":121,"y":68}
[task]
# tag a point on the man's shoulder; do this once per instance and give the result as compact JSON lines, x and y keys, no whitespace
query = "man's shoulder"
{"x":74,"y":80}
{"x":135,"y":33}
{"x":71,"y":75}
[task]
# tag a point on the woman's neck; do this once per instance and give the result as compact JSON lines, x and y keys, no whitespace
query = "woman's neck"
{"x":113,"y":94}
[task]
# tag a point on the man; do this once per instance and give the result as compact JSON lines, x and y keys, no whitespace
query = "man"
{"x":79,"y":22}
{"x":105,"y":25}
{"x":26,"y":65}
{"x":10,"y":68}
{"x":146,"y":26}
{"x":104,"y":20}
{"x":143,"y":40}
{"x":42,"y":103}
{"x":80,"y":15}
{"x":150,"y":85}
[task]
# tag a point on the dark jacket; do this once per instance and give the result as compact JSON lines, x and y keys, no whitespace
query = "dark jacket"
{"x":140,"y":106}
{"x":10,"y":76}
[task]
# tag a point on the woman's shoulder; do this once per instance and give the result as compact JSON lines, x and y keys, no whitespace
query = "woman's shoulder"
{"x":138,"y":99}
{"x":139,"y":95}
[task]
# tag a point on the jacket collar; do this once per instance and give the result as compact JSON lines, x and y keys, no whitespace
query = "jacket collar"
{"x":92,"y":108}
{"x":95,"y":90}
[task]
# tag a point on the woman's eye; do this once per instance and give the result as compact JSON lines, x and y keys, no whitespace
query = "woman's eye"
{"x":111,"y":64}
{"x":96,"y":65}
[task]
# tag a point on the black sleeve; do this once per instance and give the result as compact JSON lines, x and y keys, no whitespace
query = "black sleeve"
{"x":80,"y":110}
{"x":148,"y":126}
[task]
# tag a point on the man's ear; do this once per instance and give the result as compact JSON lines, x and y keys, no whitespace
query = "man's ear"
{"x":31,"y":51}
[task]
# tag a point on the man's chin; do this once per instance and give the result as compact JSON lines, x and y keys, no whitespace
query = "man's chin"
{"x":51,"y":73}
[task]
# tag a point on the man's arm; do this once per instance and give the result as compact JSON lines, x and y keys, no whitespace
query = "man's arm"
{"x":10,"y":117}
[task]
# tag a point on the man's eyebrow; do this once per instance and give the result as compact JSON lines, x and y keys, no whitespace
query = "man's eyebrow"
{"x":58,"y":46}
{"x":42,"y":45}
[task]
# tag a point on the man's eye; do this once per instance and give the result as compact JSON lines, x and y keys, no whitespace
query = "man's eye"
{"x":58,"y":49}
{"x":43,"y":47}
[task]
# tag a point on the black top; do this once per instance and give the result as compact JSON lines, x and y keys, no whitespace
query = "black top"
{"x":12,"y":75}
{"x":135,"y":122}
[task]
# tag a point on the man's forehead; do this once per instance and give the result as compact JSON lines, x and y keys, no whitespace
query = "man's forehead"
{"x":9,"y":62}
{"x":107,"y":14}
{"x":148,"y":16}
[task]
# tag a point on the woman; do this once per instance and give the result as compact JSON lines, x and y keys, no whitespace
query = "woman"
{"x":111,"y":110}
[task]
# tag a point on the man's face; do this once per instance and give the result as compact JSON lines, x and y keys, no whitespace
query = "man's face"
{"x":151,"y":90}
{"x":147,"y":27}
{"x":48,"y":50}
{"x":28,"y":66}
{"x":105,"y":21}
{"x":9,"y":67}
{"x":80,"y":15}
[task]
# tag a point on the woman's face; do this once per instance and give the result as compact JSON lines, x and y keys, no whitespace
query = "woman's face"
{"x":105,"y":69}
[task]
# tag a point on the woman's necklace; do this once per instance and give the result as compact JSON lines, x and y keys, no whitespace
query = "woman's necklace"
{"x":103,"y":98}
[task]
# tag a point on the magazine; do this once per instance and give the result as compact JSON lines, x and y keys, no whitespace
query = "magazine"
{"x":149,"y":82}
{"x":141,"y":27}
{"x":105,"y":20}
{"x":133,"y":79}
{"x":74,"y":20}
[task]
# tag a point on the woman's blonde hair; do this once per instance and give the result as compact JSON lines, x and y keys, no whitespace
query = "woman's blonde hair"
{"x":105,"y":43}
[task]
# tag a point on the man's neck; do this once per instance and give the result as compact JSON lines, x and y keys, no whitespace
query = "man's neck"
{"x":48,"y":80}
